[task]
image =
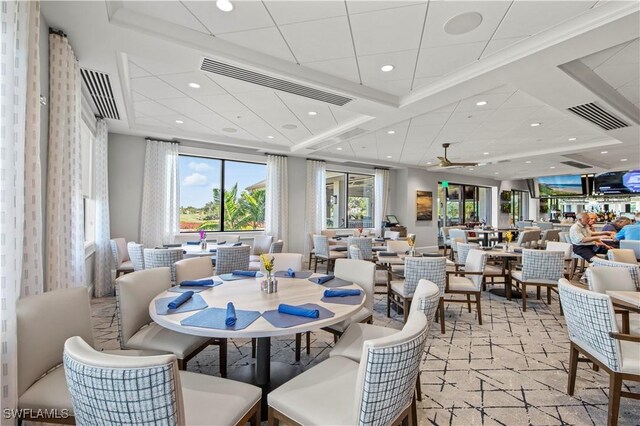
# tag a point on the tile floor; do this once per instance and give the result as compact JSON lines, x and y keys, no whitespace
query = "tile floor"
{"x":512,"y":370}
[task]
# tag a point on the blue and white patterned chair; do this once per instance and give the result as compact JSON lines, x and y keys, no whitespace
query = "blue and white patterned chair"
{"x":161,"y":258}
{"x":324,"y":253}
{"x":364,"y":244}
{"x":602,"y":279}
{"x":379,"y":390}
{"x":277,"y":246}
{"x":400,"y":293}
{"x":232,"y":258}
{"x":593,"y":332}
{"x":120,"y":256}
{"x":634,"y":270}
{"x":111,"y":390}
{"x":457,"y":282}
{"x":540,"y":268}
{"x":136,"y":253}
{"x":622,"y":255}
{"x":463,"y":251}
{"x":355,"y":253}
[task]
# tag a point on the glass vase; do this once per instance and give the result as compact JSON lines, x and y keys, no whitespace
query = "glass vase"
{"x":203,"y":244}
{"x":269,"y":284}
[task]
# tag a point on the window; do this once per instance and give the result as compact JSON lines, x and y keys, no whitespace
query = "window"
{"x":350,"y":200}
{"x":87,"y":140}
{"x":464,"y":204}
{"x":221,"y":195}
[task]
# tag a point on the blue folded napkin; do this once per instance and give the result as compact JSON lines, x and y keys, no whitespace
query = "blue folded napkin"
{"x":337,"y":238}
{"x":197,"y":283}
{"x":298,"y":311}
{"x":175,"y":303}
{"x":341,"y":293}
{"x":237,"y":244}
{"x":231,"y":318}
{"x":220,"y":242}
{"x":172,"y":245}
{"x":291,"y":273}
{"x":193,"y":243}
{"x":386,"y":253}
{"x":244,"y":273}
{"x":322,"y":280}
{"x":213,"y":250}
{"x":379,"y":239}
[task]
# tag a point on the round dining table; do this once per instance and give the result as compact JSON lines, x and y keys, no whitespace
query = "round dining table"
{"x":246,"y":295}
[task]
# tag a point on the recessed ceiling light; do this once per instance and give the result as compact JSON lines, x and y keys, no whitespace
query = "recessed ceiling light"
{"x":604,"y":152}
{"x":194,"y":85}
{"x":392,"y":132}
{"x":528,"y":162}
{"x":623,"y":159}
{"x":224,"y":5}
{"x":470,"y":168}
{"x":534,"y":124}
{"x":229,"y":130}
{"x":289,"y":126}
{"x":312,"y":113}
{"x":463,"y":23}
{"x":552,"y":167}
{"x":485,"y":153}
{"x":269,"y":137}
{"x":386,"y":68}
{"x":482,"y":164}
{"x":496,"y":173}
{"x":572,"y":139}
{"x":179,"y":121}
{"x":339,"y":148}
{"x":481,"y":103}
{"x":428,"y":162}
{"x":388,"y":156}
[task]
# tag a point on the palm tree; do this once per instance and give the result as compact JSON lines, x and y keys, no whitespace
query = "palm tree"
{"x":253,"y":203}
{"x":235,"y":217}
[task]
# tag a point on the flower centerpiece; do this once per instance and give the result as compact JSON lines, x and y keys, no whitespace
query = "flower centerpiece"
{"x":203,"y":240}
{"x":411,"y":240}
{"x":269,"y":285}
{"x":359,"y":231}
{"x":508,"y":237}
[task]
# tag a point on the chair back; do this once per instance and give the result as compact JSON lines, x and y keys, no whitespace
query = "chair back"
{"x":123,"y":253}
{"x":387,"y":373}
{"x":545,"y":225}
{"x":134,"y":292}
{"x":113,"y":389}
{"x":460,"y":234}
{"x":365,"y":245}
{"x":631,"y":244}
{"x":542,"y":265}
{"x":360,"y":272}
{"x":276,"y":246}
{"x":634,"y":270}
{"x":136,"y":252}
{"x":355,"y":253}
{"x":560,"y":246}
{"x":261,"y":244}
{"x":115,"y":256}
{"x":398,"y":246}
{"x":590,"y":318}
{"x":329,"y":233}
{"x":160,"y":258}
{"x":232,"y":258}
{"x":193,"y":268}
{"x":463,"y":251}
{"x":433,"y":269}
{"x":527,"y":238}
{"x":392,"y":235}
{"x":550,"y":235}
{"x":426,"y":300}
{"x":284,"y":261}
{"x":622,"y":255}
{"x":230,"y":239}
{"x":600,"y":279}
{"x":476,"y":262}
{"x":565,"y":238}
{"x":521,"y":224}
{"x":43,"y":323}
{"x":321,"y":244}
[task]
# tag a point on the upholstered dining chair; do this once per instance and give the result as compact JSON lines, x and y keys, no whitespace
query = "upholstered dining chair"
{"x":632,"y":245}
{"x":379,"y":390}
{"x":324,"y":253}
{"x":120,"y":256}
{"x":111,"y":389}
{"x":634,"y":270}
{"x":381,"y":277}
{"x":229,"y":238}
{"x":400,"y":293}
{"x":490,"y":271}
{"x":467,"y":282}
{"x":193,"y":268}
{"x":136,"y":329}
{"x":276,"y":247}
{"x":540,"y":268}
{"x":622,"y":255}
{"x":261,"y":244}
{"x":602,"y":279}
{"x":364,"y":244}
{"x":160,"y":258}
{"x":548,"y":235}
{"x":593,"y":332}
{"x":232,"y":258}
{"x":136,"y":253}
{"x":392,"y":235}
{"x":566,"y":248}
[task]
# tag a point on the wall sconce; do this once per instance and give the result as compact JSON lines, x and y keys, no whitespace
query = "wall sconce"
{"x":334,"y":199}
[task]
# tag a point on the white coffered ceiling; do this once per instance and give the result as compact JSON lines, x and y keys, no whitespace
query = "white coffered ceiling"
{"x":512,"y":61}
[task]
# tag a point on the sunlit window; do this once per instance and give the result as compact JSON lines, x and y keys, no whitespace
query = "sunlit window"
{"x":350,"y":200}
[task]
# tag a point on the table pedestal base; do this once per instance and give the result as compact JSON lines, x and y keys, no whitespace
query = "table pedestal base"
{"x":515,"y":294}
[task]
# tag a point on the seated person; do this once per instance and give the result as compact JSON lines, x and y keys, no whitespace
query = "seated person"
{"x":587,"y":243}
{"x":630,"y":232}
{"x":616,"y":226}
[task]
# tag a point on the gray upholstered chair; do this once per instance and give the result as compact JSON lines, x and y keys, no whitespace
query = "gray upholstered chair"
{"x":364,"y":244}
{"x":632,"y":245}
{"x":540,"y":268}
{"x":232,"y":258}
{"x":120,"y":256}
{"x":547,"y":236}
{"x":136,"y":253}
{"x":276,"y":247}
{"x":392,"y":235}
{"x":602,"y":279}
{"x":324,"y":253}
{"x":111,"y":389}
{"x":261,"y":244}
{"x":229,"y":238}
{"x":468,"y":282}
{"x":161,"y":258}
{"x":622,"y":255}
{"x":193,"y":268}
{"x":634,"y":270}
{"x":136,"y":329}
{"x":593,"y":332}
{"x":357,"y":393}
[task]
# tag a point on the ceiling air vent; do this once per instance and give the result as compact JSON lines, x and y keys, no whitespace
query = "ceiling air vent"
{"x":99,"y":87}
{"x":227,"y":70}
{"x":598,"y":116}
{"x":576,"y":164}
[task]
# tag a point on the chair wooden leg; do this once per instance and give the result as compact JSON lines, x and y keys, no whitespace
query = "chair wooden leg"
{"x":469,"y":303}
{"x":479,"y":307}
{"x":413,"y":414}
{"x":405,"y":309}
{"x":441,"y":309}
{"x":548,"y":295}
{"x":615,"y":388}
{"x":223,"y":357}
{"x":253,"y":348}
{"x":572,"y":268}
{"x":573,"y":368}
{"x":315,"y":266}
{"x":308,"y":342}
{"x":418,"y":388}
{"x":538,"y":291}
{"x":298,"y":344}
{"x":388,"y":303}
{"x":182,"y":365}
{"x":328,"y":265}
{"x":524,"y":297}
{"x":272,"y":420}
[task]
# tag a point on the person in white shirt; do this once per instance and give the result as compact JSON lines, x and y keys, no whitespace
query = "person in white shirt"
{"x":587,"y":243}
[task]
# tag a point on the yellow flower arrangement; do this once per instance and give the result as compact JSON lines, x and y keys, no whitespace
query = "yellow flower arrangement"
{"x":508,"y":236}
{"x":267,"y":263}
{"x":411,"y":241}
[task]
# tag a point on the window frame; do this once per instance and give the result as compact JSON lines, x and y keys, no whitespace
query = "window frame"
{"x":346,"y":197}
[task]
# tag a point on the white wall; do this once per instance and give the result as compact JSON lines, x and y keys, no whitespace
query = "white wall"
{"x":520,"y":185}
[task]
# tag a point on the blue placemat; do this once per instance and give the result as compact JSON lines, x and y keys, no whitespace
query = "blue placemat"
{"x":178,"y":289}
{"x":215,"y":317}
{"x":195,"y":303}
{"x":347,"y":300}
{"x":339,"y":248}
{"x":299,"y":274}
{"x":335,"y":282}
{"x":285,"y":321}
{"x":231,"y":277}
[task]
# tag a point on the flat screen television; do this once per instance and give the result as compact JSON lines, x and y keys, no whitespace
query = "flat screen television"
{"x":560,"y":186}
{"x":618,"y":182}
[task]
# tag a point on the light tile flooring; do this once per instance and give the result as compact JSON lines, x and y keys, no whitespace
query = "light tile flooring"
{"x":512,"y":370}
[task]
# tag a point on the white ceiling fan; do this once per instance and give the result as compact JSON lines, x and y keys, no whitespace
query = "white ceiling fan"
{"x":446,"y":163}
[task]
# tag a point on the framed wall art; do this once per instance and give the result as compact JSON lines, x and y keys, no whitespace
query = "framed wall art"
{"x":424,"y":205}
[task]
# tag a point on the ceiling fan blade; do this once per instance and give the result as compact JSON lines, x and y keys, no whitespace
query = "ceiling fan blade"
{"x":464,"y":164}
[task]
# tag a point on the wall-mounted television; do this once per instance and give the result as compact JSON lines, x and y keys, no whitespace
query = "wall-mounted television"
{"x":618,"y":182}
{"x":560,"y":186}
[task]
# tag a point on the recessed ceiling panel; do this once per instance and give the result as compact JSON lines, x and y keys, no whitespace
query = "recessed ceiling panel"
{"x":246,"y":15}
{"x":264,"y":40}
{"x":173,"y":12}
{"x":319,"y":40}
{"x":289,"y":12}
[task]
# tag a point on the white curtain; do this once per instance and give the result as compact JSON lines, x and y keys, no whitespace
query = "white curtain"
{"x":381,"y":183}
{"x":277,"y":202}
{"x":316,"y":200}
{"x":104,"y":284}
{"x":160,"y":216}
{"x":65,"y":216}
{"x":20,"y":22}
